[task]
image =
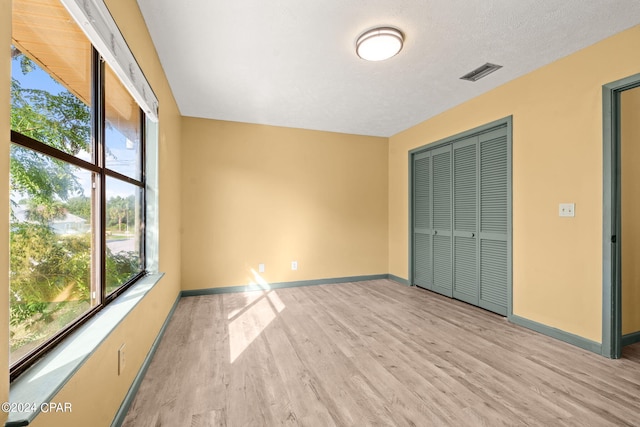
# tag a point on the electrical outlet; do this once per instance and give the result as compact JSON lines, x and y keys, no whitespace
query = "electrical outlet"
{"x":294,"y":265}
{"x":567,"y":209}
{"x":121,"y":359}
{"x":260,"y":268}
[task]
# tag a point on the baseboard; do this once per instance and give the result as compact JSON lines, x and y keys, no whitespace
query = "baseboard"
{"x":280,"y":285}
{"x":631,"y":338}
{"x":131,"y":394}
{"x":398,"y":279}
{"x":561,"y":335}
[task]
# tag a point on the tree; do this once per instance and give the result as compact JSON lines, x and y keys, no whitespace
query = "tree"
{"x":45,"y":213}
{"x":40,"y":178}
{"x":45,"y":267}
{"x":80,"y":206}
{"x":60,"y":119}
{"x":51,"y":271}
{"x":117,"y":208}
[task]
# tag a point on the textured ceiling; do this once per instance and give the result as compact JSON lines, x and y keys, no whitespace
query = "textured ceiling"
{"x":292,"y":63}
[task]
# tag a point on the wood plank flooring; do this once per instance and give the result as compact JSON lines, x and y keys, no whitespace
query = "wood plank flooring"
{"x":372,"y":353}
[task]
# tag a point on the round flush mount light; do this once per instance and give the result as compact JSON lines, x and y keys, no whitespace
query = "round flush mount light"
{"x":379,"y":43}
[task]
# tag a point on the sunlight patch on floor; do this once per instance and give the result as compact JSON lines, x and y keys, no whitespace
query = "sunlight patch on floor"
{"x":249,"y":299}
{"x":276,"y":301}
{"x":259,"y":310}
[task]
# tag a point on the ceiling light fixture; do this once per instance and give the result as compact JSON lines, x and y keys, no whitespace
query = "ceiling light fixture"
{"x":379,"y":43}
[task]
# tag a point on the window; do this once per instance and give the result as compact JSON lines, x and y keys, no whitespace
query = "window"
{"x":78,"y":207}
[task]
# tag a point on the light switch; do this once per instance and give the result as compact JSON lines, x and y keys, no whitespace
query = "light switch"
{"x":567,"y":209}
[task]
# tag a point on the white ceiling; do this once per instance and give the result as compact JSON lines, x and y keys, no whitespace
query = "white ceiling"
{"x":293,"y":63}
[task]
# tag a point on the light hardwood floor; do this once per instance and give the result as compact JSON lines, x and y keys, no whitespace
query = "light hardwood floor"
{"x":372,"y":353}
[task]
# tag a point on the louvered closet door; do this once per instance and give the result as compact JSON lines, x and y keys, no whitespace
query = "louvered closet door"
{"x":494,"y":221}
{"x":422,"y":231}
{"x":442,"y":247}
{"x":465,"y":220}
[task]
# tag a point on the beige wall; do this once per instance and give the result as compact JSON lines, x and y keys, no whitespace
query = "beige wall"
{"x":96,"y":391}
{"x":557,"y":157}
{"x":630,"y":154}
{"x":5,"y":79}
{"x":263,"y":194}
{"x":338,"y":203}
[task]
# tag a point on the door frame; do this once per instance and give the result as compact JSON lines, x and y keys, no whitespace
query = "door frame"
{"x":611,"y":217}
{"x":508,"y":121}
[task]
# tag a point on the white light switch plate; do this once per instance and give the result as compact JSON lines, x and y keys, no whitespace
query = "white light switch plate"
{"x":567,"y":209}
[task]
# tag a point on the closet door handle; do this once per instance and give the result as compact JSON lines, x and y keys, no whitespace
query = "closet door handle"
{"x":435,"y":231}
{"x":473,"y":234}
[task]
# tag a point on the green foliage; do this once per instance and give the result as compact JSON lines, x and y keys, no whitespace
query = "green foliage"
{"x":44,"y":213}
{"x":50,"y":273}
{"x":40,"y":177}
{"x":80,"y":206}
{"x":21,"y":312}
{"x":60,"y":120}
{"x":26,"y":65}
{"x":30,"y":248}
{"x":121,"y":208}
{"x":46,"y":267}
{"x":120,"y":267}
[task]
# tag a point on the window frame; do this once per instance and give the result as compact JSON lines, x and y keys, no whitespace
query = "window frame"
{"x":97,"y":165}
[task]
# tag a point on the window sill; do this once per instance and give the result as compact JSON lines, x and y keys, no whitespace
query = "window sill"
{"x":38,"y":385}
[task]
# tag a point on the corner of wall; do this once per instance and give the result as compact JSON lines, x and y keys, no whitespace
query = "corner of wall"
{"x":256,"y":194}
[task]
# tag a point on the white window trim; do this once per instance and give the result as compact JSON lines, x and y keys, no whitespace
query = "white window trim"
{"x":96,"y":21}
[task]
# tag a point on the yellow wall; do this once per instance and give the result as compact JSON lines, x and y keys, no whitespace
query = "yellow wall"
{"x":263,"y":194}
{"x":235,"y":195}
{"x":630,"y":154}
{"x":5,"y":79}
{"x":557,"y":157}
{"x":96,"y":391}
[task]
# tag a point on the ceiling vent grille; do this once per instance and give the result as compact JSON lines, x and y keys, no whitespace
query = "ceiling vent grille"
{"x":481,"y":72}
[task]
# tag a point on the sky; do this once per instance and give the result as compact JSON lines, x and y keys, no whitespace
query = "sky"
{"x":119,"y":158}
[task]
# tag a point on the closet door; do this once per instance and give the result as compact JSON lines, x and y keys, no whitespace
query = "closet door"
{"x":422,"y":230}
{"x":493,"y":220}
{"x":442,"y":235}
{"x":465,"y":220}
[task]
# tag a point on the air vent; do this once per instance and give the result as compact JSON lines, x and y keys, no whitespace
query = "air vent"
{"x":481,"y":72}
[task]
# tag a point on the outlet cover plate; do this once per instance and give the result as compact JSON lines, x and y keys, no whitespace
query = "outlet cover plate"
{"x":567,"y":209}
